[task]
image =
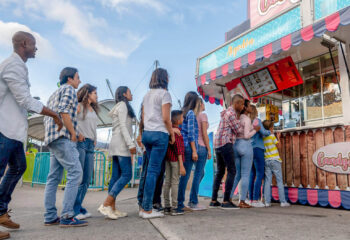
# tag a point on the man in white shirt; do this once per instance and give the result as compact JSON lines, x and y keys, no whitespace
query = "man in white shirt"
{"x":15,"y":102}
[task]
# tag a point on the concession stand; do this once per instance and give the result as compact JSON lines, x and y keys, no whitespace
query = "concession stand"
{"x":291,"y":59}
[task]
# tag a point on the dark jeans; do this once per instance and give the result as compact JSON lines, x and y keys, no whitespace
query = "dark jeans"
{"x":257,"y":174}
{"x":225,"y":159}
{"x":11,"y":154}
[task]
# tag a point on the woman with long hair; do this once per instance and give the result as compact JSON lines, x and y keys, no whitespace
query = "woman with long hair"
{"x":121,"y":148}
{"x":189,"y":132}
{"x":156,"y":107}
{"x":258,"y":170}
{"x":243,"y":151}
{"x":87,"y":125}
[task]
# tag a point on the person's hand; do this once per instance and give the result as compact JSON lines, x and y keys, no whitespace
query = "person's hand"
{"x":177,"y":131}
{"x":139,"y":141}
{"x":182,"y":171}
{"x":172,"y":138}
{"x":95,"y":143}
{"x":73,"y":137}
{"x":195,"y":156}
{"x":132,"y":150}
{"x":81,"y":138}
{"x":209,"y":154}
{"x":257,"y":128}
{"x":59,"y":122}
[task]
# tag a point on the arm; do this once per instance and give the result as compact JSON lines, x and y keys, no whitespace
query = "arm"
{"x":166,"y":118}
{"x":192,"y":134}
{"x":122,"y":114}
{"x":181,"y":164}
{"x":263,"y":131}
{"x":69,"y":125}
{"x":206,"y":137}
{"x":179,"y":149}
{"x":235,"y":124}
{"x":48,"y":112}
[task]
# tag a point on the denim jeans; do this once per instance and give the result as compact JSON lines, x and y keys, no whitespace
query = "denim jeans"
{"x":86,"y":158}
{"x":121,"y":175}
{"x":188,"y":164}
{"x":156,"y":144}
{"x":273,"y":167}
{"x":157,"y":196}
{"x":257,"y":174}
{"x":224,"y":159}
{"x":198,"y":173}
{"x":243,"y":151}
{"x":64,"y":155}
{"x":11,"y":153}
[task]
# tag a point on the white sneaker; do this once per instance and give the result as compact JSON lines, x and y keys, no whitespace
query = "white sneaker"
{"x":153,"y":214}
{"x":107,"y":211}
{"x":285,"y":204}
{"x":140,"y":213}
{"x":248,"y":202}
{"x":80,"y":216}
{"x":267,"y":204}
{"x":258,"y":204}
{"x":87,"y":215}
{"x":120,"y":214}
{"x":197,"y":207}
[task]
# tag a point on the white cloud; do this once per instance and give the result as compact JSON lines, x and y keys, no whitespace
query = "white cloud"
{"x":125,"y":5}
{"x":7,"y":30}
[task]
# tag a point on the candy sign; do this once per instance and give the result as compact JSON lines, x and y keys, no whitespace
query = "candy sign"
{"x":333,"y":158}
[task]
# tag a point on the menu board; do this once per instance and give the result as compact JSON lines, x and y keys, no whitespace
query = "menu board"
{"x":259,"y":83}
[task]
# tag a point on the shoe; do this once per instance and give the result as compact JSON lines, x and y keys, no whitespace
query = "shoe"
{"x":88,"y":215}
{"x":6,"y":222}
{"x":167,"y":211}
{"x":177,"y":211}
{"x":257,"y":204}
{"x":153,"y":214}
{"x":72,"y":222}
{"x":53,"y":222}
{"x":267,"y":204}
{"x":140,"y":213}
{"x":4,"y":235}
{"x":187,"y":209}
{"x":285,"y":204}
{"x":120,"y":214}
{"x":197,"y":207}
{"x":229,"y":206}
{"x":80,"y":216}
{"x":242,"y":204}
{"x":214,"y":204}
{"x":107,"y":212}
{"x":158,"y":207}
{"x":248,"y":202}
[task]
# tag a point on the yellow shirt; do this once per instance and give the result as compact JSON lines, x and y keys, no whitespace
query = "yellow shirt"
{"x":271,"y":151}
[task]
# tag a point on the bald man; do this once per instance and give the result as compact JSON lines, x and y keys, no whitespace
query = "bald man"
{"x":15,"y":103}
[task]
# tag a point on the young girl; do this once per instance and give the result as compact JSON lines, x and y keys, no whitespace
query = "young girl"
{"x":121,"y":148}
{"x":87,"y":125}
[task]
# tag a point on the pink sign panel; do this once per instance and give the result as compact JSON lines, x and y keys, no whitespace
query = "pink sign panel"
{"x":262,"y":10}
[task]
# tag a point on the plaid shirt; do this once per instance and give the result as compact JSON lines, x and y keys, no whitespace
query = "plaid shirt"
{"x":228,"y":129}
{"x":176,"y":149}
{"x":190,"y":129}
{"x":63,"y":100}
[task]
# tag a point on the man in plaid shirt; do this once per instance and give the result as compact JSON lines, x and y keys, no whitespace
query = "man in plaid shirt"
{"x":225,"y":137}
{"x":64,"y":154}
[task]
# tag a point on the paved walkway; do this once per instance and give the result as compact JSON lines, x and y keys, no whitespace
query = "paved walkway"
{"x":296,"y":222}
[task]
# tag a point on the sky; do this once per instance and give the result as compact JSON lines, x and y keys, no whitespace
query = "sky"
{"x":119,"y":40}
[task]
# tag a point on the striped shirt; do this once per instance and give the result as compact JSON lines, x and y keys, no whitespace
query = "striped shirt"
{"x":189,"y":129}
{"x":271,"y":151}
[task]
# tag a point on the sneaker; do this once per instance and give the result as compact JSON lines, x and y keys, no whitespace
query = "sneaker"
{"x":107,"y":212}
{"x":267,"y":204}
{"x":140,"y":213}
{"x":72,"y":222}
{"x":120,"y":214}
{"x":80,"y":216}
{"x":248,"y":202}
{"x":197,"y":207}
{"x":229,"y":206}
{"x":214,"y":204}
{"x":285,"y":204}
{"x":242,"y":204}
{"x":167,"y":211}
{"x":5,"y":221}
{"x":153,"y":214}
{"x":4,"y":235}
{"x":258,"y":204}
{"x":53,"y":222}
{"x":158,"y":207}
{"x":187,"y":209}
{"x":177,"y":211}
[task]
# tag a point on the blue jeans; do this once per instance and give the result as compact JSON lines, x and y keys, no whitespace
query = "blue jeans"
{"x":257,"y":174}
{"x":198,"y":173}
{"x":188,"y":164}
{"x":86,"y":158}
{"x":156,"y":144}
{"x":273,"y":167}
{"x":121,"y":175}
{"x":243,"y":151}
{"x":11,"y":153}
{"x":64,"y":155}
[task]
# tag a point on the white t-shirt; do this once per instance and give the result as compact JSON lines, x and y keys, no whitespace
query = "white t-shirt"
{"x":152,"y":108}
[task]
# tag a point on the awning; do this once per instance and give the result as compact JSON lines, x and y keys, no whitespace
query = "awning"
{"x":328,"y":24}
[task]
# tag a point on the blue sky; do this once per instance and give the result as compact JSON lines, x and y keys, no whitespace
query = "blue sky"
{"x":119,"y":40}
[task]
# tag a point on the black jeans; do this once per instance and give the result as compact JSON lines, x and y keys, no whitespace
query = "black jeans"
{"x":11,"y":153}
{"x":224,"y":159}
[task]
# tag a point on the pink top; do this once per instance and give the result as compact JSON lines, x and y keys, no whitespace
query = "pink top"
{"x":202,"y":117}
{"x":248,"y":130}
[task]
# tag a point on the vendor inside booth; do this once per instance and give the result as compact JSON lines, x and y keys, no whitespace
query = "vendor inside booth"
{"x":291,"y":58}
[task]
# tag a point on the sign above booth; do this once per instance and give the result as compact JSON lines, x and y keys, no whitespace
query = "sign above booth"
{"x":261,"y":11}
{"x":324,"y":8}
{"x":333,"y":158}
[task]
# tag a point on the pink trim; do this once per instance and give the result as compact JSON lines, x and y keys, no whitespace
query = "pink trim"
{"x":221,"y":102}
{"x":307,"y":33}
{"x":211,"y":100}
{"x":224,"y":70}
{"x":267,"y":50}
{"x":293,"y":194}
{"x":237,"y":64}
{"x":213,"y":74}
{"x":286,"y":42}
{"x":312,"y":196}
{"x":251,"y":57}
{"x":332,"y":22}
{"x":334,"y":198}
{"x":203,"y":79}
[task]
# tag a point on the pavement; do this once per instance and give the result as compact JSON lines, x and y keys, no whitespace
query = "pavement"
{"x":296,"y":222}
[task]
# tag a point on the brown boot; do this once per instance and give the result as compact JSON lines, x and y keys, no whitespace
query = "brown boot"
{"x":4,"y":235}
{"x":5,"y":221}
{"x":242,"y":204}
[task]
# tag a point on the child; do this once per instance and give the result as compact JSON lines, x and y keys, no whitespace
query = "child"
{"x":273,"y":166}
{"x":174,"y":166}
